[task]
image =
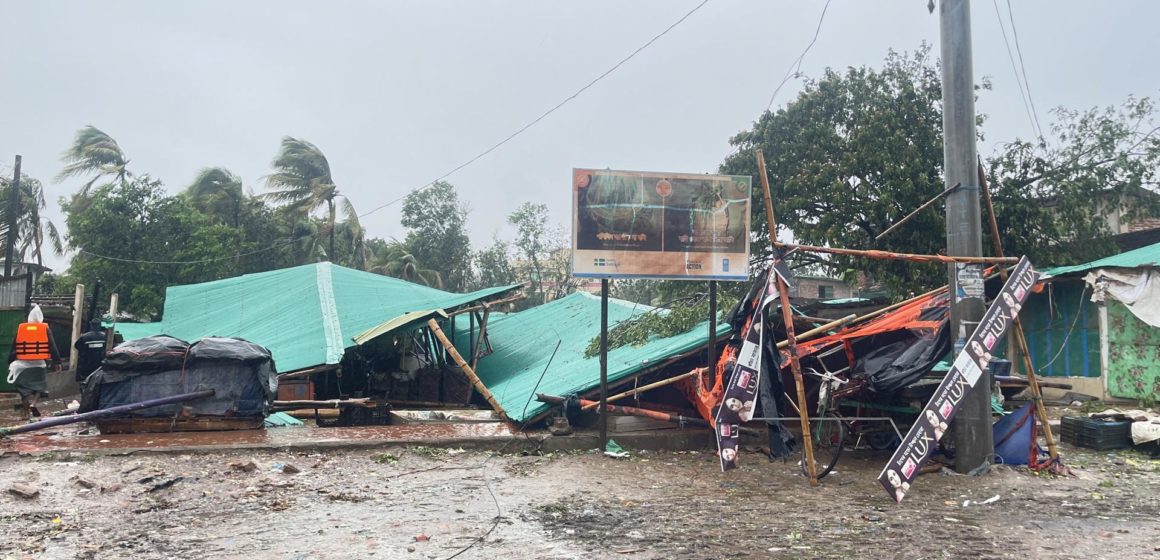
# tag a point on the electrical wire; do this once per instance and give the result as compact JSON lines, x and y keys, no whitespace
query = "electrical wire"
{"x":796,"y":66}
{"x":477,"y":157}
{"x":1070,"y":330}
{"x":1023,"y":68}
{"x":1014,"y":69}
{"x":544,"y":115}
{"x":483,"y":466}
{"x":1031,"y":118}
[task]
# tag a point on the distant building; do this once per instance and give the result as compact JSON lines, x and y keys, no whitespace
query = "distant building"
{"x":810,"y":287}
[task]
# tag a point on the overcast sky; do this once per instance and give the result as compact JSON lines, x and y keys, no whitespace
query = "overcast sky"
{"x":398,"y":93}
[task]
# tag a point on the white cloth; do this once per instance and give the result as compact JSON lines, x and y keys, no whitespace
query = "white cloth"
{"x":1137,"y":288}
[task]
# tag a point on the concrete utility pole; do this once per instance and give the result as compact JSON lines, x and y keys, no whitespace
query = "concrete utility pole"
{"x":13,"y":216}
{"x":974,"y":442}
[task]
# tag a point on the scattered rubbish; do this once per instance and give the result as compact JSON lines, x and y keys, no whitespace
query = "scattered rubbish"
{"x":280,"y":420}
{"x":248,"y":466}
{"x":422,"y":538}
{"x":614,"y":449}
{"x":85,"y":483}
{"x":990,"y":500}
{"x":165,"y":484}
{"x":872,"y":517}
{"x":24,"y":491}
{"x":285,"y":468}
{"x":952,"y":520}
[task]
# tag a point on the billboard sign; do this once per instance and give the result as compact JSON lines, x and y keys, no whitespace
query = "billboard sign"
{"x":632,"y":224}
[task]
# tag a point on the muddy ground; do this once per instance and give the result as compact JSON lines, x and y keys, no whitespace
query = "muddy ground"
{"x":429,"y":503}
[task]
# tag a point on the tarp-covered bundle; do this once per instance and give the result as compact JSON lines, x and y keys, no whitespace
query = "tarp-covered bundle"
{"x":241,"y":373}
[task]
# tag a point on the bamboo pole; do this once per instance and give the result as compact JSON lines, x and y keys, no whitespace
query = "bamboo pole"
{"x":887,"y":255}
{"x":642,"y":412}
{"x":1020,"y":337}
{"x":482,"y":335}
{"x":787,"y":316}
{"x":104,"y":413}
{"x":924,"y":206}
{"x":638,"y":390}
{"x":820,"y":330}
{"x":78,"y":321}
{"x":463,"y":365}
{"x":332,"y":403}
{"x":481,"y":307}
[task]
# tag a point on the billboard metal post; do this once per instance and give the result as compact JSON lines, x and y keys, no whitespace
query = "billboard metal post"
{"x":603,"y":364}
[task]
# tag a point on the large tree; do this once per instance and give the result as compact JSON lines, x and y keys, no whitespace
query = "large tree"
{"x":394,"y":258}
{"x":437,"y":233}
{"x":303,"y":182}
{"x":217,"y":192}
{"x":855,"y":151}
{"x":494,"y":265}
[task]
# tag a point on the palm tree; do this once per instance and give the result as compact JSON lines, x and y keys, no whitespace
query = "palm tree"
{"x":34,"y":227}
{"x":218,"y":192}
{"x":94,"y":153}
{"x":397,"y":261}
{"x":303,"y":182}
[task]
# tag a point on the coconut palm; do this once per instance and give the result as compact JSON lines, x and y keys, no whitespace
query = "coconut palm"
{"x":302,"y":181}
{"x":35,"y":228}
{"x":397,"y":261}
{"x":218,"y":192}
{"x":94,"y":153}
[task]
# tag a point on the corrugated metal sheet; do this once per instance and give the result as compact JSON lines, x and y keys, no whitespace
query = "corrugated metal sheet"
{"x":523,"y":344}
{"x":1144,"y":256}
{"x":296,"y":312}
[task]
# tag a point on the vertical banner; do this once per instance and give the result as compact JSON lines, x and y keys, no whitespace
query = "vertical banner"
{"x":741,"y":393}
{"x":965,"y":372}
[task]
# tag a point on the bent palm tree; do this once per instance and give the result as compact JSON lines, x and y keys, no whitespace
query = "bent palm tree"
{"x":96,"y":153}
{"x":30,"y":222}
{"x":218,"y":192}
{"x":396,"y":260}
{"x":303,"y":182}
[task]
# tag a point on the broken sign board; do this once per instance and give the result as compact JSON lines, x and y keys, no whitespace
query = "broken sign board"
{"x":965,"y":372}
{"x":632,"y":224}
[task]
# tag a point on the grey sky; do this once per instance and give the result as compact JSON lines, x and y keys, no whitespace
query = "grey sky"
{"x":397,"y":93}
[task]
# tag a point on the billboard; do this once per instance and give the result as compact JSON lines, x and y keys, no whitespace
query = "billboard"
{"x":632,"y":224}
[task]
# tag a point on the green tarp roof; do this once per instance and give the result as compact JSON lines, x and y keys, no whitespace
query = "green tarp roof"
{"x":306,"y":315}
{"x":1144,"y":256}
{"x":523,"y":343}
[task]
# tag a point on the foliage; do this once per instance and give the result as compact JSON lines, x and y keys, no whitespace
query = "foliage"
{"x":128,"y":226}
{"x":97,"y":154}
{"x":854,"y":152}
{"x":437,"y":233}
{"x":1053,"y":200}
{"x":396,"y":259}
{"x":217,"y":192}
{"x":494,"y":265}
{"x":33,"y":230}
{"x":303,"y":183}
{"x":676,"y":318}
{"x":543,"y":253}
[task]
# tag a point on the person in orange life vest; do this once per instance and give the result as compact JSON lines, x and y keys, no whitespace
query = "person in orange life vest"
{"x":32,"y":349}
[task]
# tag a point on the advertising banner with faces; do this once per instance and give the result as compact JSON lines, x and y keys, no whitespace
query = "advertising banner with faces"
{"x":965,"y":372}
{"x":741,"y":393}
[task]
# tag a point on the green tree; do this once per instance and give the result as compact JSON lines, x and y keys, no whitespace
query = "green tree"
{"x":854,"y":152}
{"x":138,"y":241}
{"x":303,"y":182}
{"x":217,"y":192}
{"x":1054,"y":200}
{"x":394,"y":258}
{"x":436,"y":236}
{"x":494,"y":265}
{"x":96,"y":155}
{"x":531,"y":244}
{"x":33,"y":229}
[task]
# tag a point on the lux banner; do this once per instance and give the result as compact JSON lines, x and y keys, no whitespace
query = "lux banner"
{"x":966,"y":370}
{"x":741,"y":394}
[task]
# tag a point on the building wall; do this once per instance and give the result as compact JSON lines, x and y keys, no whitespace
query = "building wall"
{"x":1050,"y":319}
{"x":808,"y":288}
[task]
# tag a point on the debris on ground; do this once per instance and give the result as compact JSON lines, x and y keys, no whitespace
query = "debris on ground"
{"x":24,"y":491}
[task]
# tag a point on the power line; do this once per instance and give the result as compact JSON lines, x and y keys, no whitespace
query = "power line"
{"x":1018,"y":81}
{"x":796,"y":66}
{"x":479,"y":156}
{"x":1023,"y":68}
{"x":546,"y":113}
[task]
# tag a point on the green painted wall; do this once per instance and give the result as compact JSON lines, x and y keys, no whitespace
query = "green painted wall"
{"x":1133,"y":355}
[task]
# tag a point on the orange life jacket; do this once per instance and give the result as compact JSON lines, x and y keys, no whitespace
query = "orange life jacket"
{"x":32,"y":342}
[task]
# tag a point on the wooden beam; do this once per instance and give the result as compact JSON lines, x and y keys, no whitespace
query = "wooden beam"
{"x":887,"y":255}
{"x":467,"y":370}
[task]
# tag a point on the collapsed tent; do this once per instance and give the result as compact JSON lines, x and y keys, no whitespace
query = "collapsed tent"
{"x":242,"y":375}
{"x":523,"y":346}
{"x":306,"y":315}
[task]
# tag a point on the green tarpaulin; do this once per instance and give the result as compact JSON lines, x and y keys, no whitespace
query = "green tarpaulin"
{"x":523,"y":344}
{"x":306,"y":315}
{"x":1144,"y":256}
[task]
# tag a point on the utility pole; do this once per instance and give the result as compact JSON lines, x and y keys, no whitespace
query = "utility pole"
{"x":974,"y":442}
{"x":13,"y":215}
